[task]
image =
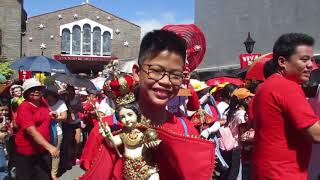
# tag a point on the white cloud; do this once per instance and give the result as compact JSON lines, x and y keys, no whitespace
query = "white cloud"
{"x":149,"y":24}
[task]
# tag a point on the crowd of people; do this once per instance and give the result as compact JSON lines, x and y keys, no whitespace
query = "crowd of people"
{"x":226,"y":131}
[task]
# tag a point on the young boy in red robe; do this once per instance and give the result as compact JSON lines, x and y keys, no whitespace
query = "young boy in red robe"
{"x":181,"y":154}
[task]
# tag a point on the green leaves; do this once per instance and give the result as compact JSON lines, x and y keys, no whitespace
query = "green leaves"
{"x":5,"y":69}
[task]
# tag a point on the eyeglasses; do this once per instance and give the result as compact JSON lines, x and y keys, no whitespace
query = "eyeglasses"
{"x":157,"y":72}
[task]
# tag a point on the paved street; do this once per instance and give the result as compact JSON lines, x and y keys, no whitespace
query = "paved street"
{"x":72,"y":174}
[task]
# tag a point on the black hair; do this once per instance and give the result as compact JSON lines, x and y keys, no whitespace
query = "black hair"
{"x":133,"y":106}
{"x":225,"y":93}
{"x":4,"y":102}
{"x":154,"y":42}
{"x":285,"y":46}
{"x":252,"y":85}
{"x":51,"y":93}
{"x":234,"y":105}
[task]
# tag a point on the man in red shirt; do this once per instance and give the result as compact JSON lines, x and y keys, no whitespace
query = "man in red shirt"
{"x":284,"y":122}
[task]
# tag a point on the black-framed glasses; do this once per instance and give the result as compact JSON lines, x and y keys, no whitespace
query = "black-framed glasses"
{"x":157,"y":72}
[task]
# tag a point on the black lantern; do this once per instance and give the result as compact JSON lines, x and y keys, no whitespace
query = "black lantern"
{"x":249,"y":43}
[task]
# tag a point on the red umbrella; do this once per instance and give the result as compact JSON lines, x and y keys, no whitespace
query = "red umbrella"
{"x":196,"y":42}
{"x":255,"y":71}
{"x":220,"y":80}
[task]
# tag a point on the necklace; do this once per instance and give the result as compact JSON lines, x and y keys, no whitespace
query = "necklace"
{"x":132,"y":138}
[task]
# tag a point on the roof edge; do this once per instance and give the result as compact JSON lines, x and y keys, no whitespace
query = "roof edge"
{"x":83,"y":5}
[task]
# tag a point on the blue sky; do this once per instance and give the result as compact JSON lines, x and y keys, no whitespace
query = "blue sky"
{"x":149,"y":14}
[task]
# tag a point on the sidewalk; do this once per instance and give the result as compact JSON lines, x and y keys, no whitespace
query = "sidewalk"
{"x":75,"y":172}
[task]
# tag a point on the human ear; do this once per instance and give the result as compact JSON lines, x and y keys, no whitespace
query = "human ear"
{"x":136,"y":73}
{"x":282,"y":61}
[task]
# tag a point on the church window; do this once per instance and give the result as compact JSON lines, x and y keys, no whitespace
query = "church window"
{"x":76,"y":35}
{"x":106,"y":43}
{"x":65,"y":41}
{"x":96,"y":41}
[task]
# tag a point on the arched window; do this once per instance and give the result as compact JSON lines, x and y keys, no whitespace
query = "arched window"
{"x":65,"y":41}
{"x":76,"y":31}
{"x":86,"y":40}
{"x":96,"y":41}
{"x":106,"y":43}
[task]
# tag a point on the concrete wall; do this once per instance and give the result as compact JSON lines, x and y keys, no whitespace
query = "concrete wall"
{"x":11,"y":17}
{"x":128,"y":31}
{"x":227,"y":22}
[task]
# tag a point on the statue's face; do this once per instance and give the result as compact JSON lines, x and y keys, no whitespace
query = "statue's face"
{"x":17,"y":92}
{"x":128,"y":117}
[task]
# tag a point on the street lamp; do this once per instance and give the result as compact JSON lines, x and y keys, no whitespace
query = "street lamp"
{"x":42,"y":47}
{"x":249,"y":44}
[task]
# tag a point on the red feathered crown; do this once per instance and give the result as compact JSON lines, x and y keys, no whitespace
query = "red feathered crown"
{"x":120,"y":89}
{"x":196,"y":42}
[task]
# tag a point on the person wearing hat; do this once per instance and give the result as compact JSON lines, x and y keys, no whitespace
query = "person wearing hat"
{"x":206,"y":105}
{"x":34,"y":151}
{"x":83,"y":94}
{"x":236,"y":118}
{"x":58,"y":107}
{"x":88,"y":116}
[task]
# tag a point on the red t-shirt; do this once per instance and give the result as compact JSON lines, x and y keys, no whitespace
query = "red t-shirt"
{"x":281,"y":112}
{"x":31,"y":115}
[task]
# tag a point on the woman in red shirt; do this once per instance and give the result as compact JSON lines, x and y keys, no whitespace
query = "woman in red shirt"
{"x":33,"y":160}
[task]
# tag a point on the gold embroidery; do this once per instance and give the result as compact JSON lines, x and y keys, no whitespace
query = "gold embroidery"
{"x":137,"y":169}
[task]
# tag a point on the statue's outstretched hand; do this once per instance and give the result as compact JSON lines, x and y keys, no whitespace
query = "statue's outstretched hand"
{"x":153,"y":144}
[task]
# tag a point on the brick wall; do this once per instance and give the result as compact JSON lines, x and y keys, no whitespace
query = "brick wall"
{"x":128,"y":31}
{"x":10,"y":24}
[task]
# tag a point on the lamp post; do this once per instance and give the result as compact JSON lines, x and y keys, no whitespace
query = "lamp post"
{"x":249,"y":44}
{"x":42,"y":47}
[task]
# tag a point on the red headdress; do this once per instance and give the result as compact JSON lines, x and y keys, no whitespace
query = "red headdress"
{"x":196,"y":42}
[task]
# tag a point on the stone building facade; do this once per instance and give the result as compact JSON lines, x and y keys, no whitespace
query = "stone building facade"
{"x":226,"y":24}
{"x":12,"y":28}
{"x":84,"y":37}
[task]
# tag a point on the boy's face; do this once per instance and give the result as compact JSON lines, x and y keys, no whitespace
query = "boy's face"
{"x":159,"y":92}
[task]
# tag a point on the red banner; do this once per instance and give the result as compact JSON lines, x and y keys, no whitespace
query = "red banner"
{"x":247,"y":59}
{"x":23,"y":75}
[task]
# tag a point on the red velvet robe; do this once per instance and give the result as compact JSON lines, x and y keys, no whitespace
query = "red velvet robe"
{"x":178,"y":156}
